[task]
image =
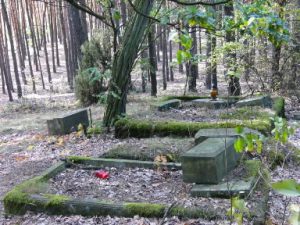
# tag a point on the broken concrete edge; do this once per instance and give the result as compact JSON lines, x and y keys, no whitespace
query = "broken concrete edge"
{"x":119,"y":163}
{"x":16,"y":200}
{"x":231,"y":99}
{"x":127,"y":127}
{"x":63,"y":205}
{"x":166,"y":105}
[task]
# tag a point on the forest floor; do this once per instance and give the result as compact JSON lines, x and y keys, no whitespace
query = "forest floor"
{"x":26,"y":149}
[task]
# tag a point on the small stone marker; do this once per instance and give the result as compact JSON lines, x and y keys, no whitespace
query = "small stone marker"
{"x":263,"y":101}
{"x":297,"y":116}
{"x":174,"y":103}
{"x":205,"y":163}
{"x":204,"y":134}
{"x":68,"y":123}
{"x":224,"y":189}
{"x":211,"y":104}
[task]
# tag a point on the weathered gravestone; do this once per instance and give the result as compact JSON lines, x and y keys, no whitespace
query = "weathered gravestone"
{"x":204,"y":134}
{"x":166,"y":105}
{"x":205,"y":163}
{"x":211,"y":104}
{"x":263,"y":101}
{"x":68,"y":123}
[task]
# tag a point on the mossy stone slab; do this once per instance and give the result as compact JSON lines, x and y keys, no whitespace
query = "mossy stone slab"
{"x":166,"y":105}
{"x":223,"y":190}
{"x":263,"y":101}
{"x":68,"y":123}
{"x":205,"y":163}
{"x":209,"y":103}
{"x":297,"y":115}
{"x":203,"y":134}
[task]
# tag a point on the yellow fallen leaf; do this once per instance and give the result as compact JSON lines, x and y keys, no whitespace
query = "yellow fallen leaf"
{"x":30,"y":147}
{"x":60,"y":141}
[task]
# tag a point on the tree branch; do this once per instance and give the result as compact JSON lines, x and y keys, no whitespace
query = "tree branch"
{"x":200,"y":3}
{"x":88,"y":11}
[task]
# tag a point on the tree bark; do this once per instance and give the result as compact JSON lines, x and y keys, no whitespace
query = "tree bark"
{"x":152,"y":61}
{"x":10,"y":35}
{"x":123,"y":62}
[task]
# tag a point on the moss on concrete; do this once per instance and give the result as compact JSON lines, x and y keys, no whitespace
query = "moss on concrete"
{"x":78,"y":159}
{"x":17,"y":200}
{"x":145,"y":128}
{"x":55,"y":200}
{"x":144,"y":209}
{"x":158,"y":210}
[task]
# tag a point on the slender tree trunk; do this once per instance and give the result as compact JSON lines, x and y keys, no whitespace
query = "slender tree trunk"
{"x":234,"y":87}
{"x":123,"y":62}
{"x":152,"y":61}
{"x":10,"y":35}
{"x":46,"y":51}
{"x":208,"y":79}
{"x":193,"y":74}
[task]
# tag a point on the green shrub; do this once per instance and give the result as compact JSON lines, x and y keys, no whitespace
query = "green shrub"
{"x":94,"y":73}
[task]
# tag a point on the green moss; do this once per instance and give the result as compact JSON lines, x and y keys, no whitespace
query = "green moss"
{"x":279,"y":106}
{"x":142,"y":128}
{"x":144,"y":209}
{"x":158,"y":210}
{"x":247,"y":113}
{"x":17,"y":200}
{"x":78,"y":159}
{"x":56,"y":200}
{"x":252,"y":167}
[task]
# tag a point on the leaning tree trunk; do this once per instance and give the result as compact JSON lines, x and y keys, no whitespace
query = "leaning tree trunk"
{"x":123,"y":62}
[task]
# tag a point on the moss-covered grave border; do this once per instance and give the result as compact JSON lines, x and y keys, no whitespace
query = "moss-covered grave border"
{"x":128,"y":127}
{"x":30,"y":196}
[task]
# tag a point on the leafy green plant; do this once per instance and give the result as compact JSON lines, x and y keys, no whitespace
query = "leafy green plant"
{"x":248,"y":141}
{"x":238,"y":209}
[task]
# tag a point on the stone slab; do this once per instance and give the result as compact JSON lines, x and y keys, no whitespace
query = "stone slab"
{"x":166,"y":105}
{"x":205,"y":162}
{"x":263,"y":101}
{"x":224,"y":190}
{"x":204,"y":134}
{"x":296,"y":116}
{"x":68,"y":123}
{"x":211,"y":104}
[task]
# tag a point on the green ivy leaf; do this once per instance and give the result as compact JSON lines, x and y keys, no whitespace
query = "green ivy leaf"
{"x":239,"y":145}
{"x":287,"y":187}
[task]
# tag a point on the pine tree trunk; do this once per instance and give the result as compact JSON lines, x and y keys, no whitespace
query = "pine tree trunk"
{"x":208,"y":79}
{"x":234,"y":87}
{"x":194,"y":65}
{"x":152,"y":61}
{"x":123,"y":62}
{"x":10,"y":35}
